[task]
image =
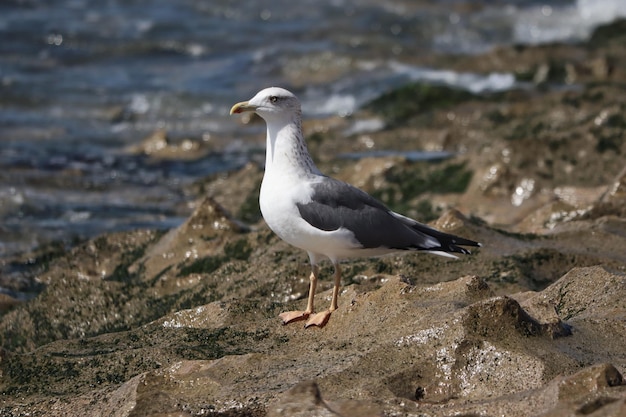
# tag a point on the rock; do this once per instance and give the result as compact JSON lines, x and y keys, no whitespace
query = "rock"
{"x":452,"y":220}
{"x":468,"y":289}
{"x":597,"y":390}
{"x":589,"y":380}
{"x":305,"y":399}
{"x":411,"y":100}
{"x":617,"y":190}
{"x":7,"y":302}
{"x":588,"y":292}
{"x":159,"y":146}
{"x":544,"y":312}
{"x":490,"y":318}
{"x":367,"y":173}
{"x":199,"y":237}
{"x":237,"y":191}
{"x":399,"y":347}
{"x":302,"y":400}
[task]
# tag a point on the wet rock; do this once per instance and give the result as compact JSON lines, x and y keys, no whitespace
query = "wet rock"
{"x":368,"y":173}
{"x":213,"y":315}
{"x":589,"y":380}
{"x":159,"y":147}
{"x":452,"y":343}
{"x":612,"y":202}
{"x":468,"y":289}
{"x":497,"y":316}
{"x":402,"y":104}
{"x":78,"y":300}
{"x":305,"y":399}
{"x":588,"y":292}
{"x":453,"y":220}
{"x":617,"y":190}
{"x":402,"y":183}
{"x":302,"y":400}
{"x":156,"y":142}
{"x":7,"y":302}
{"x":237,"y":191}
{"x":197,"y":241}
{"x":614,"y":32}
{"x":544,"y":312}
{"x":185,"y":387}
{"x":305,"y":70}
{"x":596,"y":390}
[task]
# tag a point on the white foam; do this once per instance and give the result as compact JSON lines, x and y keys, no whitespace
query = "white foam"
{"x":365,"y":126}
{"x":476,"y":83}
{"x":339,"y":104}
{"x":543,"y":24}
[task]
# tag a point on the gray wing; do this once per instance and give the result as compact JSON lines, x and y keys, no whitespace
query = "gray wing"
{"x":335,"y":204}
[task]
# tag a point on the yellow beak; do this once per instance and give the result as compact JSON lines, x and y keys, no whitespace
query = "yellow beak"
{"x":242,"y":107}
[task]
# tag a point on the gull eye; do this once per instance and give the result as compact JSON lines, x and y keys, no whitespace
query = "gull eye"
{"x":273,"y":99}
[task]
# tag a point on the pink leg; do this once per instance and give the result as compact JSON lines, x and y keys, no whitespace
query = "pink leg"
{"x":291,"y":316}
{"x":320,"y":319}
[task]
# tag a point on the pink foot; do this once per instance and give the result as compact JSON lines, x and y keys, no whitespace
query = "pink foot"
{"x":318,"y":319}
{"x":291,"y":316}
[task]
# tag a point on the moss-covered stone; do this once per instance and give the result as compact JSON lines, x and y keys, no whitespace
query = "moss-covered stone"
{"x":404,"y":103}
{"x":204,"y":265}
{"x":608,"y":33}
{"x":249,"y":211}
{"x":239,"y":249}
{"x":408,"y":181}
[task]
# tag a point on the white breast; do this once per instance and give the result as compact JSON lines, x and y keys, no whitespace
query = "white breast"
{"x":278,"y":201}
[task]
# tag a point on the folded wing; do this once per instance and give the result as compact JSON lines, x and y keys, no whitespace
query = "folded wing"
{"x":335,"y":204}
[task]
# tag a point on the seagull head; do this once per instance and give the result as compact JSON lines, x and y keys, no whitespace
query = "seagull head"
{"x":271,"y":104}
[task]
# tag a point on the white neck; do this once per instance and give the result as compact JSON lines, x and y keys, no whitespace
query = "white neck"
{"x":287,"y":153}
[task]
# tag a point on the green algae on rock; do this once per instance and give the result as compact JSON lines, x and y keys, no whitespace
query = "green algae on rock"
{"x":400,"y":105}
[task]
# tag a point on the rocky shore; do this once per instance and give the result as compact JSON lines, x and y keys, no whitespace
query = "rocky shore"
{"x":184,"y":322}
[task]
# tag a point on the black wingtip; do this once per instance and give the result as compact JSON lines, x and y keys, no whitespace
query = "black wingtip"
{"x":461,"y":241}
{"x":452,"y":244}
{"x":457,"y":249}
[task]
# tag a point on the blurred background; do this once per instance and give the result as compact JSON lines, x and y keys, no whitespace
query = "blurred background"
{"x":84,"y":82}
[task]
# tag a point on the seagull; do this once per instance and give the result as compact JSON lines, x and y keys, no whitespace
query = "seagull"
{"x":327,"y":218}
